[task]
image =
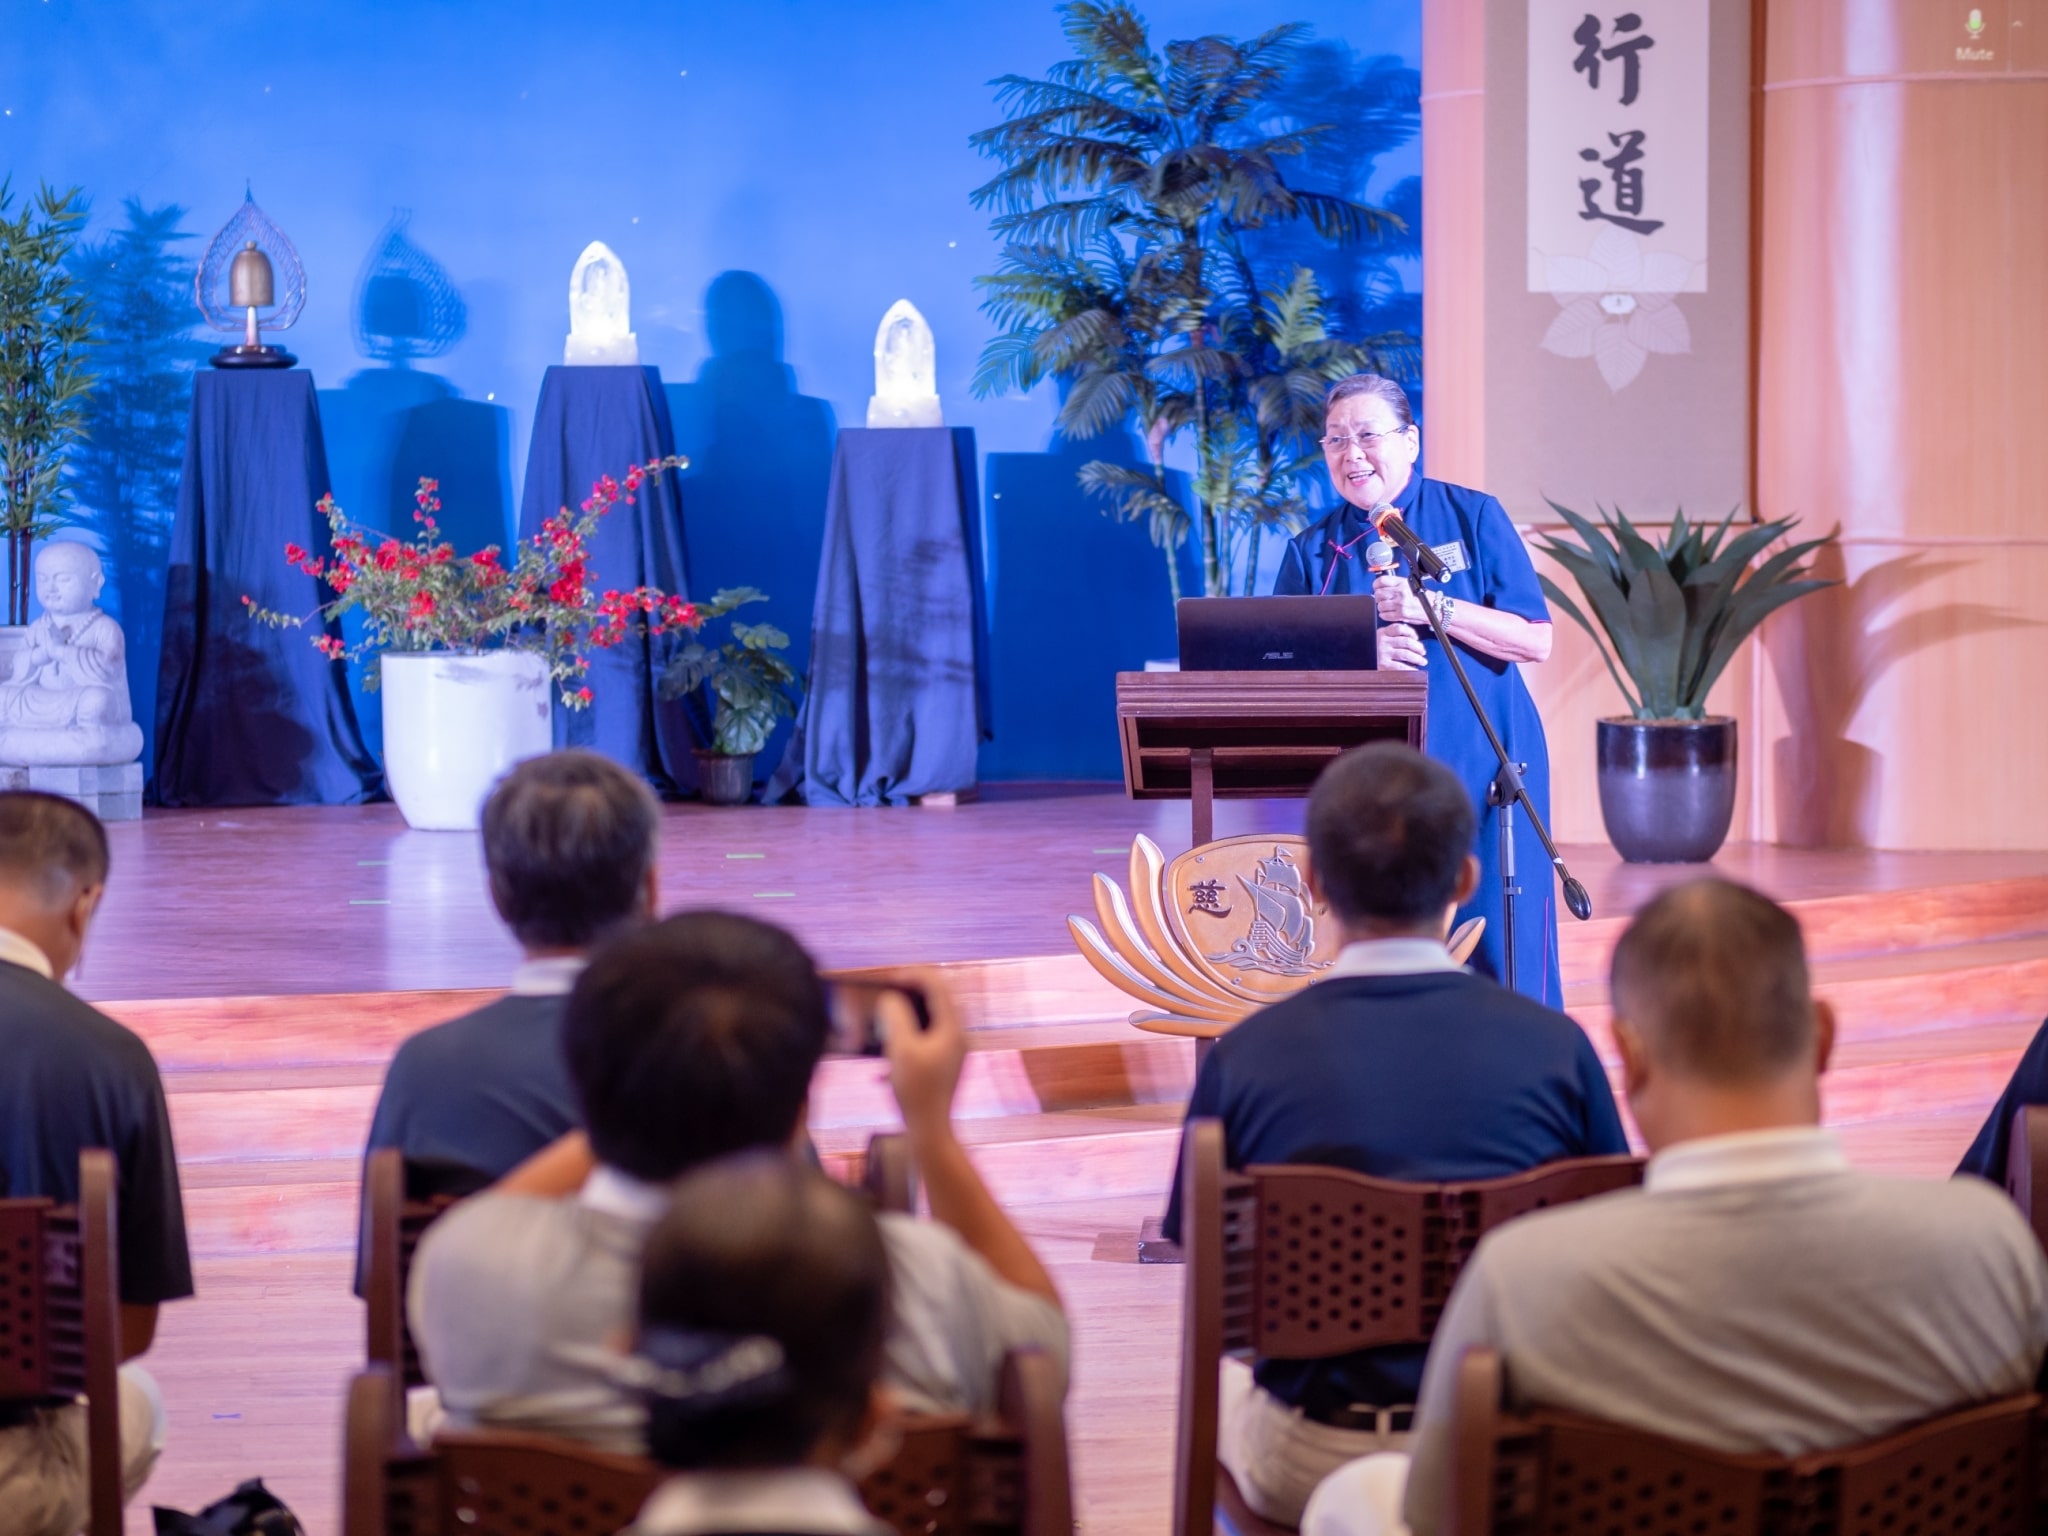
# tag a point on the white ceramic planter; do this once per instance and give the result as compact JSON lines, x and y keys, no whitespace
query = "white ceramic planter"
{"x":455,"y":721}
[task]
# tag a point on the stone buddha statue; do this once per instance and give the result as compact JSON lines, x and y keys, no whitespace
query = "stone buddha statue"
{"x":65,"y":698}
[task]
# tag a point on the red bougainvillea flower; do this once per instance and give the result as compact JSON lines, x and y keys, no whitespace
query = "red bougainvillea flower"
{"x":422,"y":605}
{"x":330,"y":646}
{"x":585,"y":695}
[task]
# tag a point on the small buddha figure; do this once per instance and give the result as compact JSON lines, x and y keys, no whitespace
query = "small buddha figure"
{"x":65,"y":699}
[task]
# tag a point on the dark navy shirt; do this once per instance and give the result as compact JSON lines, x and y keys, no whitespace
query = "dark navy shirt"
{"x":1491,"y":569}
{"x":2028,"y":1085}
{"x":484,"y":1092}
{"x":72,"y":1078}
{"x":1428,"y":1076}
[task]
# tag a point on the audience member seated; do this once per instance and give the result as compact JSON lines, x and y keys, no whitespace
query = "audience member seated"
{"x":687,"y":1041}
{"x":569,"y":844}
{"x":72,"y":1078}
{"x":764,"y":1307}
{"x":2028,"y":1085}
{"x":1757,"y":1293}
{"x":1398,"y":1063}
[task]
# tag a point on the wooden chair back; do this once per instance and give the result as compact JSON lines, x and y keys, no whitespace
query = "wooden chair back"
{"x":391,"y":1234}
{"x":1972,"y":1472}
{"x":2026,"y":1166}
{"x":60,"y":1320}
{"x":949,"y":1477}
{"x":1304,"y":1263}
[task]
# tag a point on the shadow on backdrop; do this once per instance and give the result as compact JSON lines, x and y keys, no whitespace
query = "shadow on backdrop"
{"x":124,"y":478}
{"x":1075,"y":597}
{"x":1374,"y":107}
{"x":760,"y":467}
{"x":389,"y":425}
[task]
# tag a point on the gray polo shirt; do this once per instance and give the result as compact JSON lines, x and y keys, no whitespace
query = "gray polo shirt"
{"x":507,"y":1288}
{"x":1757,"y":1294}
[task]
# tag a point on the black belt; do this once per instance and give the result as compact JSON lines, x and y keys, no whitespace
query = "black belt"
{"x":1398,"y":1420}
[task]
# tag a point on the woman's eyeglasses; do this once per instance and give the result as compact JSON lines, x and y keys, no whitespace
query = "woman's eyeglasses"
{"x":1364,"y":440}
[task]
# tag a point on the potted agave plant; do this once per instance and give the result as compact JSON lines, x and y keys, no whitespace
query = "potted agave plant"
{"x":473,"y":651}
{"x":732,"y":695}
{"x":1667,"y":619}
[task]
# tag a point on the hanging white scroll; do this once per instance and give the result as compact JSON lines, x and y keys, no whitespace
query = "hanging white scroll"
{"x":1618,"y":142}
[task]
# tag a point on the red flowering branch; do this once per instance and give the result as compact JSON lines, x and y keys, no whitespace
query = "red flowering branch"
{"x":420,"y":595}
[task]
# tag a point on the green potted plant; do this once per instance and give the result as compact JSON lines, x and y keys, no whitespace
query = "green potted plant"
{"x":1667,"y":619}
{"x":45,"y":328}
{"x":732,"y":696}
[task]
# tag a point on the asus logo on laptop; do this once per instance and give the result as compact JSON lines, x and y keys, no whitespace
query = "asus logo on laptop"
{"x":1278,"y":656}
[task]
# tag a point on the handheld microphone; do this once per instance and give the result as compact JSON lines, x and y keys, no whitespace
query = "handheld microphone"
{"x":1389,"y":525}
{"x":1379,"y":557}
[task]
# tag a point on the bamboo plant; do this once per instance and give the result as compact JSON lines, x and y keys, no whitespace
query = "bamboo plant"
{"x":45,"y":329}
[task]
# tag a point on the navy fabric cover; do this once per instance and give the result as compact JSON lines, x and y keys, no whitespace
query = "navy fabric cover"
{"x":1330,"y":557}
{"x":2028,"y":1084}
{"x":1433,"y":1076}
{"x":592,"y":422}
{"x":897,"y":694}
{"x":247,"y":715}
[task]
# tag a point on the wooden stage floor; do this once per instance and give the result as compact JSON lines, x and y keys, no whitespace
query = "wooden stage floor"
{"x":273,"y":959}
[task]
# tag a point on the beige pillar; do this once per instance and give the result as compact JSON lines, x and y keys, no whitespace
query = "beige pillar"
{"x":1903,"y":393}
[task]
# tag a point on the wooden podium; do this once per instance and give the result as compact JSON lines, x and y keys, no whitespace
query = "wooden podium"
{"x":1254,"y":735}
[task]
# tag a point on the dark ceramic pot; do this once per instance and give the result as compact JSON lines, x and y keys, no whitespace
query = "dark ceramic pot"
{"x":1667,"y":788}
{"x":724,"y":779}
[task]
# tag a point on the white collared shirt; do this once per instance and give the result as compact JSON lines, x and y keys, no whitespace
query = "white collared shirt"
{"x":810,"y":1500}
{"x":618,"y":1194}
{"x":552,"y":976}
{"x":1391,"y":957}
{"x":16,"y":950}
{"x":1746,"y":1157}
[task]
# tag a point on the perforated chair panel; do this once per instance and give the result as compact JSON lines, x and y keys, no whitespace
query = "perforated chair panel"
{"x":1971,"y":1474}
{"x":1604,"y":1482}
{"x":23,"y":1347}
{"x":522,"y":1486}
{"x":923,"y":1489}
{"x":1338,"y":1263}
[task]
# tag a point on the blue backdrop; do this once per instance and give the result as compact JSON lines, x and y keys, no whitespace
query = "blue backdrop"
{"x":773,"y":175}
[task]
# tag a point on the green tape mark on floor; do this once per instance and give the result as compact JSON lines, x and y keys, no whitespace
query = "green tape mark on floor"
{"x":746,"y":855}
{"x":357,"y":901}
{"x":773,"y":895}
{"x":371,"y":863}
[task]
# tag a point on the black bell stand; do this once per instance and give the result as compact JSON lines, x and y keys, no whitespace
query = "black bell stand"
{"x":1503,"y":794}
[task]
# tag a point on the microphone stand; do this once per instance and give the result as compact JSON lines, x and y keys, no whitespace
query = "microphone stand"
{"x":1505,"y":792}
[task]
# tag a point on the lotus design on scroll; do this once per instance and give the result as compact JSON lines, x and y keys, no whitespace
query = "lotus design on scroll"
{"x":1619,"y":305}
{"x":1215,"y":934}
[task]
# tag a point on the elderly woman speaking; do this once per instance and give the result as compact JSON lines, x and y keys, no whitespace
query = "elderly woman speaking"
{"x":1492,"y":609}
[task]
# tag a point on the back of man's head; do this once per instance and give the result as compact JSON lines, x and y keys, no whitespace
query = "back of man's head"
{"x":1388,"y":834}
{"x":50,"y":848}
{"x":569,"y":839}
{"x":764,"y":1299}
{"x":693,"y":1038}
{"x":1711,"y":977}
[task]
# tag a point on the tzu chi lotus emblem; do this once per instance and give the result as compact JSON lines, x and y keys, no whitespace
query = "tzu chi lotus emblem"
{"x":1215,"y":934}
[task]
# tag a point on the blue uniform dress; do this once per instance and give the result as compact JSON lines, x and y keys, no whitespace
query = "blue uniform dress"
{"x":1330,"y":557}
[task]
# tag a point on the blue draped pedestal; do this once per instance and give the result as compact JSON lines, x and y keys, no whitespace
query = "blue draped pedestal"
{"x":247,"y":715}
{"x":593,"y":422}
{"x":897,"y":694}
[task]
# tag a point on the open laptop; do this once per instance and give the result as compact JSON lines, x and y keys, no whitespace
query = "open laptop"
{"x":1278,"y":634}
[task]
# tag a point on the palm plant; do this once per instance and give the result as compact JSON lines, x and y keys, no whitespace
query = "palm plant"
{"x":1131,"y":182}
{"x":45,"y":329}
{"x":1673,"y":615}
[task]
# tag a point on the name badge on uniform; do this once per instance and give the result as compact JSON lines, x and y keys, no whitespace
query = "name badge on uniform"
{"x":1452,"y":555}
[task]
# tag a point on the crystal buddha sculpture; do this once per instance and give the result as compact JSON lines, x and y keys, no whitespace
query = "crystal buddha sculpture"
{"x":600,"y":322}
{"x":906,"y":372}
{"x":65,"y":698}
